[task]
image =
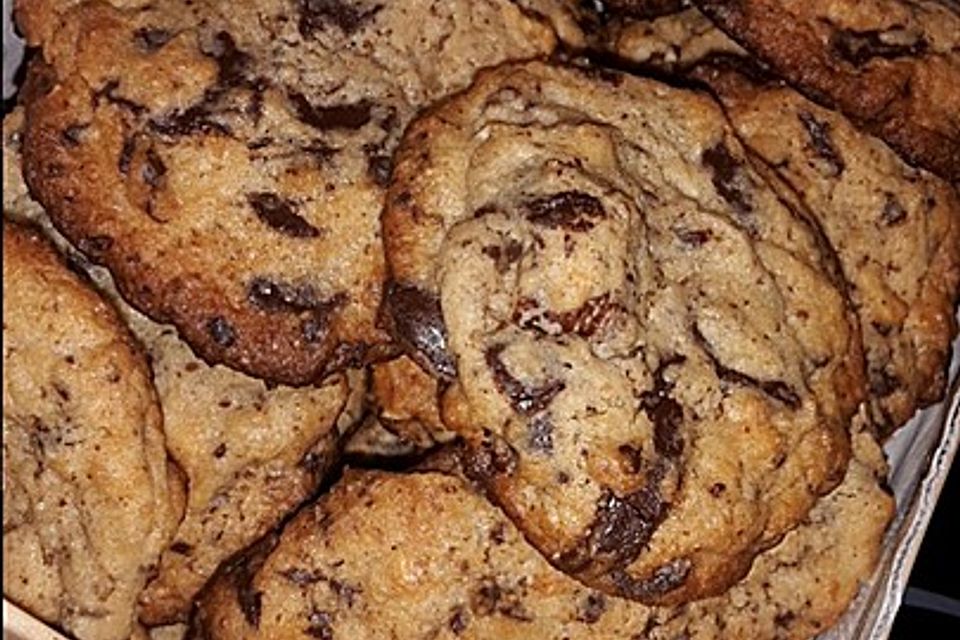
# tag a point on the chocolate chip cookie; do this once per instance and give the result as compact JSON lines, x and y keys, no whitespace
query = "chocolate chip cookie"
{"x":896,"y":230}
{"x":892,"y":66}
{"x":86,"y":494}
{"x":649,"y":352}
{"x":364,"y":563}
{"x":228,"y":162}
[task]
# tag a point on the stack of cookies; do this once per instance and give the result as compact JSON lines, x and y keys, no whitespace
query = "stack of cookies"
{"x":501,"y":319}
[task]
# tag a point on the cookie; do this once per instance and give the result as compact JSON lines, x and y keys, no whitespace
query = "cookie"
{"x":87,"y":500}
{"x":251,"y":453}
{"x":649,"y":353}
{"x":17,"y":202}
{"x":896,"y":230}
{"x":364,"y":563}
{"x":669,"y":43}
{"x":227,"y":163}
{"x":892,"y":66}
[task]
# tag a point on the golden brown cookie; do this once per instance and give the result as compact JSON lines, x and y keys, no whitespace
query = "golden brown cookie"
{"x":87,"y":504}
{"x":896,"y":231}
{"x":892,"y":66}
{"x":364,"y":562}
{"x":227,"y":161}
{"x":649,"y":352}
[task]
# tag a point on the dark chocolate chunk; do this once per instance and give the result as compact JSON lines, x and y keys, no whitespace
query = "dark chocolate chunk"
{"x":822,"y":143}
{"x":592,"y":608}
{"x":233,"y":64}
{"x":220,"y":451}
{"x":108,"y":92}
{"x":893,"y":212}
{"x":783,"y":619}
{"x":195,"y":119}
{"x":326,"y":118}
{"x":379,"y":164}
{"x":694,"y":237}
{"x":729,"y":180}
{"x":584,"y":321}
{"x":302,"y":577}
{"x":150,"y":39}
{"x":459,"y":621}
{"x":417,"y":325}
{"x":316,"y":15}
{"x":860,"y":47}
{"x":525,"y":399}
{"x":882,"y":382}
{"x":281,"y":214}
{"x":664,"y":412}
{"x":270,"y":295}
{"x":221,"y":331}
{"x":572,"y":210}
{"x":153,"y":170}
{"x":504,"y":256}
{"x":489,"y":458}
{"x":319,"y":625}
{"x":321,"y":152}
{"x":665,"y":579}
{"x":126,"y":155}
{"x":73,"y":135}
{"x":541,"y":433}
{"x":181,"y":547}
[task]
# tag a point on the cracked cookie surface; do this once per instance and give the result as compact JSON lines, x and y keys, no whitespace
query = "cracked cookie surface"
{"x":363,"y":563}
{"x":623,"y":309}
{"x":88,"y":503}
{"x":893,"y":66}
{"x":227,"y":162}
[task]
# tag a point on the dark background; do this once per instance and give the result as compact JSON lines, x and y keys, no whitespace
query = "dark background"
{"x":937,"y":570}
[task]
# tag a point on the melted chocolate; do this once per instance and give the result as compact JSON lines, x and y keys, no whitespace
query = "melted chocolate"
{"x":525,"y":399}
{"x":571,"y":210}
{"x":821,"y":141}
{"x":280,"y":214}
{"x":417,"y":325}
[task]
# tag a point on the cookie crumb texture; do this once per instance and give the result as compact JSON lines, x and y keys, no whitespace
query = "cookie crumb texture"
{"x":891,"y":66}
{"x":88,"y":504}
{"x":365,"y":563}
{"x":227,"y":161}
{"x":655,"y":364}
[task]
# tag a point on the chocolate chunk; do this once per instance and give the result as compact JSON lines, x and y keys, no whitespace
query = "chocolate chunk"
{"x":154,"y":169}
{"x":316,"y":15}
{"x":221,"y":331}
{"x":458,"y":621}
{"x":108,"y":92}
{"x":283,"y":296}
{"x":181,"y":547}
{"x":584,"y":321}
{"x":489,"y":458}
{"x":417,"y":325}
{"x":592,"y":608}
{"x":150,"y":39}
{"x":729,"y":180}
{"x":319,"y":625}
{"x":664,"y":412}
{"x":882,"y":382}
{"x":195,"y":119}
{"x":73,"y":135}
{"x":541,"y":433}
{"x":280,"y":214}
{"x":665,"y":579}
{"x":302,"y":577}
{"x":860,"y":47}
{"x":644,"y":10}
{"x":126,"y":155}
{"x":893,"y":212}
{"x":783,"y":619}
{"x":233,"y":64}
{"x":504,"y":256}
{"x":821,"y":142}
{"x":694,"y":237}
{"x":572,"y":210}
{"x":326,"y":118}
{"x":525,"y":399}
{"x":321,"y":152}
{"x":379,"y":164}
